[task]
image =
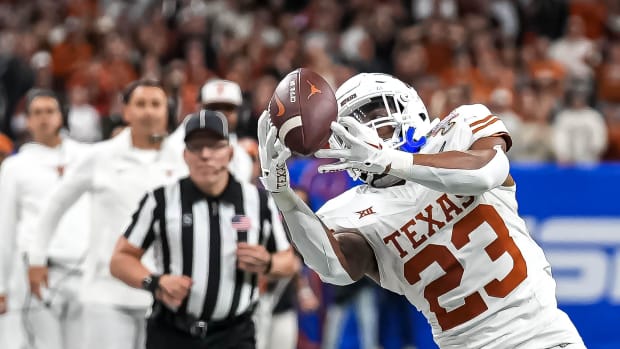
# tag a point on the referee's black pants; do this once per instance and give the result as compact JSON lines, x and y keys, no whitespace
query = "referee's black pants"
{"x":160,"y":335}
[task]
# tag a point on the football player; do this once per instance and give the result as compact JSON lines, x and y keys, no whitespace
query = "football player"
{"x":435,"y":221}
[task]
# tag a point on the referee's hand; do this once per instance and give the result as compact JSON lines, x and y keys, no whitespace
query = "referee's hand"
{"x":37,"y":275}
{"x":173,"y":289}
{"x":252,"y":258}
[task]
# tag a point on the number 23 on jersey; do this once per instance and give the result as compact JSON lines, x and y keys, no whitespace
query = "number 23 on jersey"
{"x":474,"y":304}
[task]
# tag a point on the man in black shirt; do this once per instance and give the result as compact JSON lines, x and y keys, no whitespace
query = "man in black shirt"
{"x":209,"y":232}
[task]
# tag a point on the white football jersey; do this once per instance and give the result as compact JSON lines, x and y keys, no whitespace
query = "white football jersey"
{"x":467,"y":262}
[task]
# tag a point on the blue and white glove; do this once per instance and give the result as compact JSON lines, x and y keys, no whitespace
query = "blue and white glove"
{"x":363,"y":150}
{"x":273,"y":155}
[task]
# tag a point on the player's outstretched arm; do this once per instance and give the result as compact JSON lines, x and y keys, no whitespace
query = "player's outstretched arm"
{"x":332,"y":257}
{"x":339,"y":258}
{"x":481,"y":168}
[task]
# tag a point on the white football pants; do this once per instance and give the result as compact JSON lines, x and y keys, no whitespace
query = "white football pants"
{"x":32,"y":324}
{"x":107,"y":326}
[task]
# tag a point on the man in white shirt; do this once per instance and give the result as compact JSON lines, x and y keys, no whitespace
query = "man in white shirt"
{"x":223,"y":96}
{"x":579,"y":132}
{"x":117,"y":173}
{"x":575,"y":51}
{"x":26,"y":180}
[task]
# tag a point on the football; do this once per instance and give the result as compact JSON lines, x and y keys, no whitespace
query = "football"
{"x":302,"y":109}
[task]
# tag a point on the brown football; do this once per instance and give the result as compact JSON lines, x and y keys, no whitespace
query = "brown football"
{"x":302,"y":109}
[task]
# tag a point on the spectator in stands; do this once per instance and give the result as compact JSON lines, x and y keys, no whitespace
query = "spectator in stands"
{"x":575,"y":51}
{"x":594,"y":15}
{"x":613,"y":19}
{"x":41,"y":63}
{"x":506,"y":13}
{"x":608,"y":76}
{"x":410,"y":60}
{"x":437,"y":46}
{"x":114,"y":70}
{"x":423,"y":9}
{"x":535,"y":141}
{"x":546,"y":18}
{"x":263,"y":90}
{"x":461,"y":72}
{"x":84,"y":120}
{"x":73,"y":51}
{"x":579,"y":131}
{"x":501,"y":104}
{"x":544,"y":69}
{"x":491,"y":74}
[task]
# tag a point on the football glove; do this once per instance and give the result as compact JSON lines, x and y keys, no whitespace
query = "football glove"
{"x":362,"y":149}
{"x":273,"y":155}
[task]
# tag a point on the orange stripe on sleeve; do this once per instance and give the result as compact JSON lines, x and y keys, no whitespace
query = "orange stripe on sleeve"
{"x":485,"y":125}
{"x":481,"y":121}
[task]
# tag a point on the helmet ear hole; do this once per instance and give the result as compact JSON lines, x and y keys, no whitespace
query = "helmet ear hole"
{"x":422,"y":116}
{"x":403,"y":97}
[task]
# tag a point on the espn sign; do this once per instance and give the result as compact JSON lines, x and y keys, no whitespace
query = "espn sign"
{"x":585,"y":257}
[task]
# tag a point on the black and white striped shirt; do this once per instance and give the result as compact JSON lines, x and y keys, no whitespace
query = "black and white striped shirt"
{"x":196,"y":235}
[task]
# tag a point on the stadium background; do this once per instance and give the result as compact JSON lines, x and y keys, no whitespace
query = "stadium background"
{"x":530,"y":61}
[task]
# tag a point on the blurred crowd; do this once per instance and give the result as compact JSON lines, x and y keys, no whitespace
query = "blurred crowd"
{"x":550,"y":69}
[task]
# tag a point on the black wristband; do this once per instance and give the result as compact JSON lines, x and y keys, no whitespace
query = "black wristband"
{"x":269,"y":264}
{"x":151,"y":283}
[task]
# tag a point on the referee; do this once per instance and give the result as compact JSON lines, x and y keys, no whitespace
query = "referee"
{"x":209,"y":233}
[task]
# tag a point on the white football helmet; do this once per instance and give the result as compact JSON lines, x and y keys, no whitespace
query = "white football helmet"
{"x":380,"y":101}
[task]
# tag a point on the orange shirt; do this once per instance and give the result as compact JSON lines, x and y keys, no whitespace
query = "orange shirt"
{"x":67,"y":57}
{"x":439,"y":56}
{"x":547,"y":69}
{"x":609,"y":83}
{"x":594,"y":15}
